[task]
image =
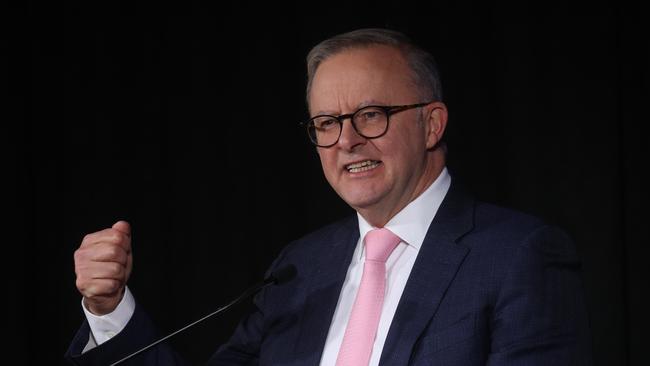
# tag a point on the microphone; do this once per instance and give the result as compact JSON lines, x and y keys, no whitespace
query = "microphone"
{"x":278,"y":277}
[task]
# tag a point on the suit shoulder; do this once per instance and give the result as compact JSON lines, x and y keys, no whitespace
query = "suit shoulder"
{"x":509,"y":227}
{"x":490,"y":215}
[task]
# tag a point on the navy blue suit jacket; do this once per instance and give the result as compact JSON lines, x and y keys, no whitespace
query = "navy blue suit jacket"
{"x":490,"y":286}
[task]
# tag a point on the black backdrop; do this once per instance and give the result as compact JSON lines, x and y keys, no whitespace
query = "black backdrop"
{"x":182,"y":119}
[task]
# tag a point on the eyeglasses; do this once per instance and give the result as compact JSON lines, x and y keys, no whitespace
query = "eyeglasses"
{"x":370,"y":122}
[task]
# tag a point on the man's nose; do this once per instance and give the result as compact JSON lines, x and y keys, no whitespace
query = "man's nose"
{"x":350,"y":138}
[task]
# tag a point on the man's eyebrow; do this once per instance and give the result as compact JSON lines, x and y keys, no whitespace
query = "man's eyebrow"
{"x":324,"y":113}
{"x":368,"y":103}
{"x":363,"y":104}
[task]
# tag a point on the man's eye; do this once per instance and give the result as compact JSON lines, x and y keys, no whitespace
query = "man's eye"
{"x":371,"y":114}
{"x":325,"y":124}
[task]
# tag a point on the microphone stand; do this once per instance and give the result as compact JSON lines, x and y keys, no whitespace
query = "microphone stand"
{"x":282,"y":275}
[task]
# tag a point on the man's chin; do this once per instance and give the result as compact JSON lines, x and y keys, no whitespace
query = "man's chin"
{"x":361,"y":202}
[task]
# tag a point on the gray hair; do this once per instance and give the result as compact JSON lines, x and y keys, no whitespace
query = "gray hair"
{"x":425,"y":74}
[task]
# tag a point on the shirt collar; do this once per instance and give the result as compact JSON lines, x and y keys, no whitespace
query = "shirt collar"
{"x":413,"y":221}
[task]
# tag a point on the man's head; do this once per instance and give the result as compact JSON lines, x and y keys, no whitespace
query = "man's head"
{"x":377,"y":176}
{"x":424,"y":72}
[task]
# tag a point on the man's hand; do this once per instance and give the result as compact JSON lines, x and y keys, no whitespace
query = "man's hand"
{"x":103,"y":264}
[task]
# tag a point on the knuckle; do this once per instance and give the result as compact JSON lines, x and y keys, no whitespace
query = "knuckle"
{"x":116,"y":237}
{"x":84,"y":275}
{"x":115,"y":286}
{"x":115,"y":268}
{"x":80,"y":283}
{"x":80,"y":269}
{"x":85,"y":287}
{"x":87,"y":238}
{"x":81,"y":254}
{"x":78,"y":256}
{"x":120,"y":257}
{"x":113,"y":252}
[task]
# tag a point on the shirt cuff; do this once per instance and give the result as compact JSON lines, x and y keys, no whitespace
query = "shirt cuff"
{"x":106,"y":326}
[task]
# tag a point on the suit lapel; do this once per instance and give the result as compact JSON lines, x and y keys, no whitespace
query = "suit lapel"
{"x":325,"y":286}
{"x":434,"y":269}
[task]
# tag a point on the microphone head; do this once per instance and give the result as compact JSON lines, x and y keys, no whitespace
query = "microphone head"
{"x":283,"y":274}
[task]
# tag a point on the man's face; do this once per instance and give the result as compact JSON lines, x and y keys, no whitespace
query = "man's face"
{"x":399,"y":167}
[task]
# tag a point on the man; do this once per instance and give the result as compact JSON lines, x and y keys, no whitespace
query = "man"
{"x":423,"y":275}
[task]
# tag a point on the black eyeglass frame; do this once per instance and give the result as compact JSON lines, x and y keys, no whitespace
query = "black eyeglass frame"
{"x":388,"y":110}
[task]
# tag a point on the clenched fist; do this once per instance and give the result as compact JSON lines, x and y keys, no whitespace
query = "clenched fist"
{"x":103,"y":264}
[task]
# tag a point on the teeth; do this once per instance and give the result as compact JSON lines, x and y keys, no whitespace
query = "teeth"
{"x":362,"y":166}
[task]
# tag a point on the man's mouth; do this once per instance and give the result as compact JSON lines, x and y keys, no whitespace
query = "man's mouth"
{"x":362,"y":166}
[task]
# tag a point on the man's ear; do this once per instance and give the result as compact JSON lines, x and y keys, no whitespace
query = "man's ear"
{"x":435,"y":122}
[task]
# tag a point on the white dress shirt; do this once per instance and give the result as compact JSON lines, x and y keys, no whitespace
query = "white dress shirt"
{"x":410,"y":224}
{"x":105,"y":327}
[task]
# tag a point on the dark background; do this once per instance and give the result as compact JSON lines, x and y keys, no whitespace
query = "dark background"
{"x":182,"y":119}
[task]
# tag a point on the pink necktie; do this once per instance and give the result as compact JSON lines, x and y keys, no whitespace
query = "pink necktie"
{"x":360,"y":333}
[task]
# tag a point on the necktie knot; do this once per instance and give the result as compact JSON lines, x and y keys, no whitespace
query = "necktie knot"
{"x":380,"y":243}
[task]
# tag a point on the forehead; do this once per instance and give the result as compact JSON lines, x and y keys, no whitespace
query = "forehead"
{"x":358,"y":76}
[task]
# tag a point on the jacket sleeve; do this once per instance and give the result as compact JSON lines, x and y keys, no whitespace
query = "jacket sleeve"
{"x":138,"y":333}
